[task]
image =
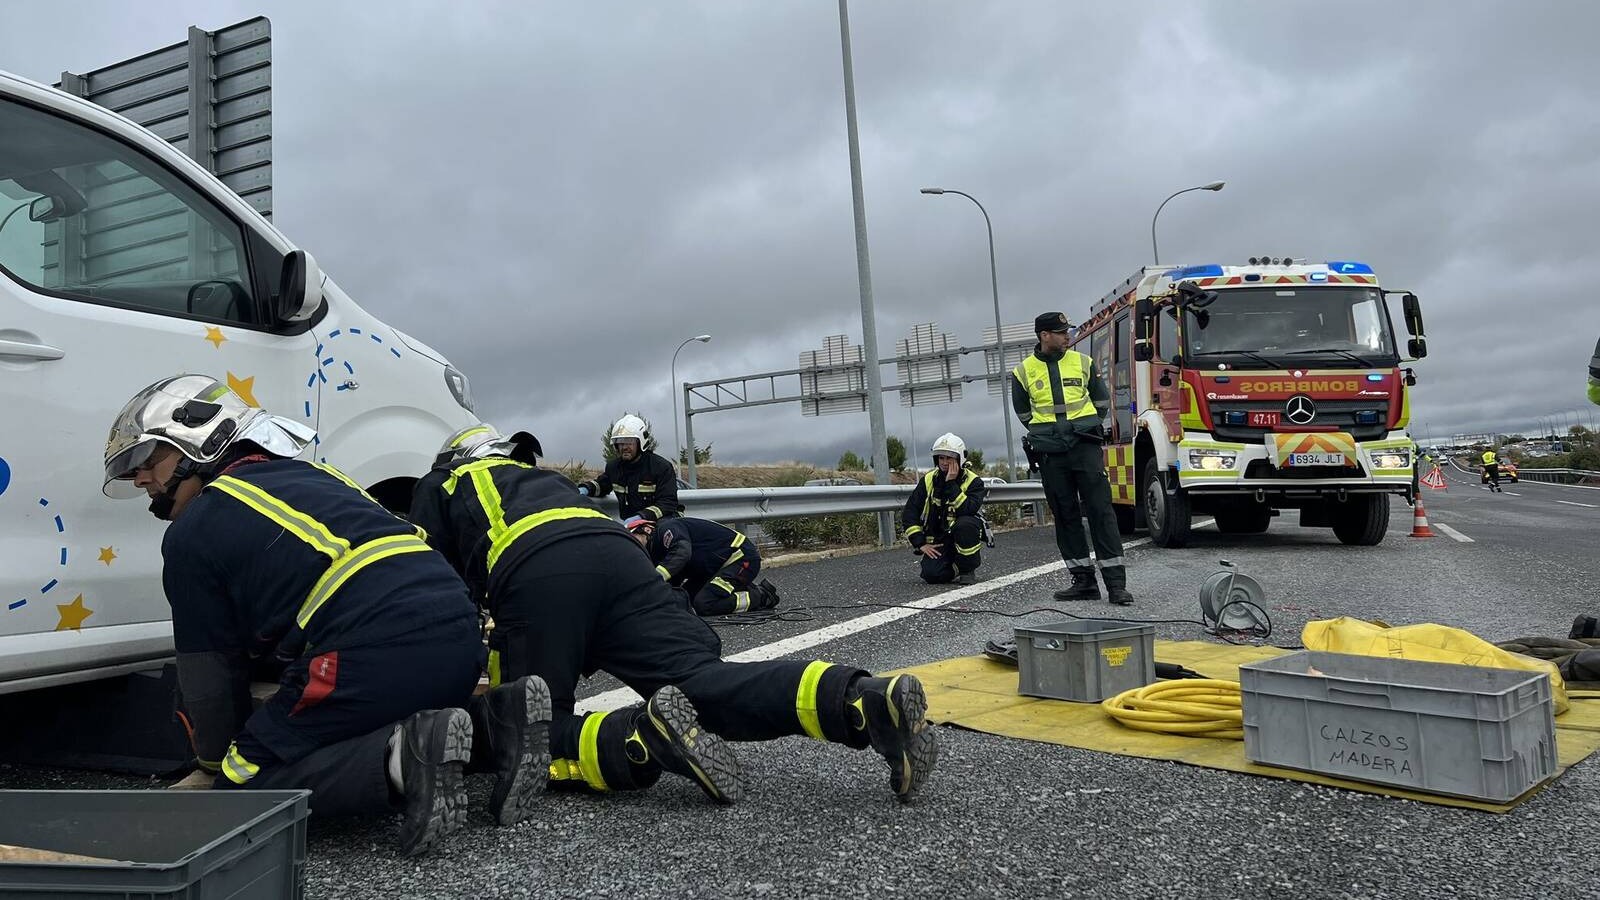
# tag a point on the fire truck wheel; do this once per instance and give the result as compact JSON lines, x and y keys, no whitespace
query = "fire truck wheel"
{"x":1167,"y":515}
{"x":1361,"y":520}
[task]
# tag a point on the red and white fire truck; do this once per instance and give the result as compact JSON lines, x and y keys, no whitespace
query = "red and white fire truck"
{"x":1240,"y":391}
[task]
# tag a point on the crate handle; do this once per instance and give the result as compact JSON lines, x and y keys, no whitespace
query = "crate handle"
{"x":1365,"y":690}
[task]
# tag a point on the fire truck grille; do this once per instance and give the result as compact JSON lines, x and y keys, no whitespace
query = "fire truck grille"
{"x":1354,"y":417}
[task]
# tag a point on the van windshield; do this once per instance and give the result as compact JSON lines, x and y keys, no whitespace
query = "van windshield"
{"x":1292,"y":326}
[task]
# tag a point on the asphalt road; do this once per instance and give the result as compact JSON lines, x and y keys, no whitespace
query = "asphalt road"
{"x":1008,"y":818}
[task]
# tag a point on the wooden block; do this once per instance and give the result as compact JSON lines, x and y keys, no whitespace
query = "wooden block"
{"x":14,"y":854}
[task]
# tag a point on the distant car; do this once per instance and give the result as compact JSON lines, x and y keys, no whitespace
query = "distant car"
{"x":832,"y":482}
{"x":1508,"y":472}
{"x":993,"y":479}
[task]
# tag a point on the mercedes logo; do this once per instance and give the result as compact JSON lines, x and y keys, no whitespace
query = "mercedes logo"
{"x":1300,"y":410}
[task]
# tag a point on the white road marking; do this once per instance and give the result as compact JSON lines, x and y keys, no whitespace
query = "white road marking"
{"x":1576,"y":503}
{"x":620,"y":697}
{"x":1453,"y":534}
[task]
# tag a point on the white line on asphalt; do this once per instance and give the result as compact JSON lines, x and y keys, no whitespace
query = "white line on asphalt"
{"x":1576,"y":503}
{"x":620,"y":697}
{"x":1453,"y":534}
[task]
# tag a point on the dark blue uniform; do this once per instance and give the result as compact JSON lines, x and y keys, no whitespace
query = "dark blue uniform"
{"x":646,"y":487}
{"x":709,"y":561}
{"x":284,"y":558}
{"x":572,"y":593}
{"x":944,"y":513}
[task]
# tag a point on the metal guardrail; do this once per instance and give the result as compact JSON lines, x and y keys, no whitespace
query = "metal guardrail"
{"x":1558,"y":476}
{"x":757,"y":504}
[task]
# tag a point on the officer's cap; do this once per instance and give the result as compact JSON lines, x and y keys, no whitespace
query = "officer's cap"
{"x":1052,"y":321}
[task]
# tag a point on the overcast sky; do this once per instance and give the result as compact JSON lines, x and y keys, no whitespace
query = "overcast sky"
{"x":555,"y":195}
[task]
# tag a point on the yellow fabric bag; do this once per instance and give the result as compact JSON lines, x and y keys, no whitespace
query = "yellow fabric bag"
{"x":1427,"y":643}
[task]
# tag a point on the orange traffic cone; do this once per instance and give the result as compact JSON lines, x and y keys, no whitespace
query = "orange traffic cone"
{"x":1419,"y":521}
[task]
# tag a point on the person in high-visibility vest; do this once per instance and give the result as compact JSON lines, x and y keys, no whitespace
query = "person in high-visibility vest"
{"x":1594,"y":375}
{"x":1061,"y":400}
{"x":1491,"y":469}
{"x":941,"y":517}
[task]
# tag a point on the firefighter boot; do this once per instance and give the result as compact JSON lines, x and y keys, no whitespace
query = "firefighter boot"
{"x":432,"y":746}
{"x":1083,"y":587}
{"x":516,"y":717}
{"x":766,"y":595}
{"x":667,"y":732}
{"x":893,"y":712}
{"x":1116,"y":579}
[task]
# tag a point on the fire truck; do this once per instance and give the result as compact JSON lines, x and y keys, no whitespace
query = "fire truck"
{"x":1240,"y":391}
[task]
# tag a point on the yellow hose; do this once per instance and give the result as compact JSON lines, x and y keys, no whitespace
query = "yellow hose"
{"x":1194,"y":707}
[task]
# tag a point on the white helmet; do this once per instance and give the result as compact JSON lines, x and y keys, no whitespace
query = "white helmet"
{"x":200,"y":418}
{"x":631,"y":426}
{"x":949,"y":444}
{"x":482,"y":440}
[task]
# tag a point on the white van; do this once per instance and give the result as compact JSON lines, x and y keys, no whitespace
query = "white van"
{"x":123,"y":261}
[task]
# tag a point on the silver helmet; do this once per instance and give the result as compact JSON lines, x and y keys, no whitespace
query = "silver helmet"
{"x":483,"y":440}
{"x":199,"y":417}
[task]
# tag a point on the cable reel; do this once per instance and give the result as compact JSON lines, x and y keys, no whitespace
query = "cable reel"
{"x":1231,"y":601}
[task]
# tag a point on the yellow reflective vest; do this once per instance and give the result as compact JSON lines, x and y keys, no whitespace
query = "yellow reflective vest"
{"x":1488,"y":457}
{"x":1065,"y":396}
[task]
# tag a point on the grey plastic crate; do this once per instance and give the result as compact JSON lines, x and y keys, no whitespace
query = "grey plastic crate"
{"x":169,"y":844}
{"x":1086,"y":660}
{"x":1461,"y":731}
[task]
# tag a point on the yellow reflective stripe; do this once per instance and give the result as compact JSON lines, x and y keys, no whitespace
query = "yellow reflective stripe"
{"x":529,"y":523}
{"x":734,"y":557}
{"x":348,"y":565}
{"x":665,"y":575}
{"x":489,"y":499}
{"x":565,"y":770}
{"x":460,"y":438}
{"x":968,"y":551}
{"x":294,"y":521}
{"x":210,"y":765}
{"x":238,"y":769}
{"x":653,"y":509}
{"x":478,"y":465}
{"x":961,"y":498}
{"x":1189,"y":418}
{"x":741,"y":601}
{"x":915,"y":529}
{"x":805,"y":699}
{"x":723,"y":583}
{"x":927,"y":494}
{"x":494,"y":668}
{"x":738,"y":540}
{"x":346,"y":479}
{"x":589,"y":752}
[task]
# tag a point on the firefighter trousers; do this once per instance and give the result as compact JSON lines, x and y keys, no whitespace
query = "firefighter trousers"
{"x":1076,"y":487}
{"x":728,"y":591}
{"x":327,"y":728}
{"x":594,"y":602}
{"x":959,"y":551}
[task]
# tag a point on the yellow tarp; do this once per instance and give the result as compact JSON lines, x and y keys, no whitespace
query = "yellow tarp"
{"x":978,"y":693}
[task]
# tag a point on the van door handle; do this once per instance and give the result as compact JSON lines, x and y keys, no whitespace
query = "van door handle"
{"x":30,"y":351}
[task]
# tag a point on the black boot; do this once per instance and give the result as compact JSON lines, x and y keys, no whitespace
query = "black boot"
{"x":1083,"y":587}
{"x":766,"y":596}
{"x":518,"y":719}
{"x":433,"y":746}
{"x":1117,"y":586}
{"x":668,"y":733}
{"x":893,"y":711}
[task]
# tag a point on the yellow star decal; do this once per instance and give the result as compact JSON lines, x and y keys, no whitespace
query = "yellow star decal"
{"x":72,"y":615}
{"x":107,"y":554}
{"x":244,"y":387}
{"x":215,"y":336}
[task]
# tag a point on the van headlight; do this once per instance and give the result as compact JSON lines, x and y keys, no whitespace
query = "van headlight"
{"x":460,"y":388}
{"x":1213,"y":460}
{"x":1392,"y":459}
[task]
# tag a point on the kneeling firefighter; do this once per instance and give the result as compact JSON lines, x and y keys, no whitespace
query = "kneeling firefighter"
{"x":571,"y":594}
{"x":710,"y":562}
{"x":941,"y":516}
{"x":271,"y":558}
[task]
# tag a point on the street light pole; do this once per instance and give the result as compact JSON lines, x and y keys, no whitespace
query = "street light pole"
{"x":1156,"y":253}
{"x":677,"y":443}
{"x":999,"y":338}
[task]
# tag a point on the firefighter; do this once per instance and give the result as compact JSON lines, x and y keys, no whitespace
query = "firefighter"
{"x":269,"y":558}
{"x":941,"y":516}
{"x":571,"y":593}
{"x":1491,"y":469}
{"x":711,"y":563}
{"x":1061,"y":400}
{"x":1594,"y":375}
{"x":645,"y":481}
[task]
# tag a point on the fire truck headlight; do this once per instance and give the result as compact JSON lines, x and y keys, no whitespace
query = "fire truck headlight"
{"x":1392,"y":459}
{"x":1213,"y":460}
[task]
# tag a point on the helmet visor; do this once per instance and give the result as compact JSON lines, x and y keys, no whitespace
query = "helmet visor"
{"x":121,"y":466}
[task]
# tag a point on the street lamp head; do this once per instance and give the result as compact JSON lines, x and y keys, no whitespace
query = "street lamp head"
{"x":933,"y":190}
{"x":1214,"y":186}
{"x":702,"y":338}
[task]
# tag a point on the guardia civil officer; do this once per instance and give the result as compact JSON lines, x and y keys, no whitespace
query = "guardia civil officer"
{"x":645,"y":481}
{"x":571,"y":593}
{"x":715,"y":566}
{"x":941,"y":516}
{"x":270,"y":557}
{"x":1061,"y":400}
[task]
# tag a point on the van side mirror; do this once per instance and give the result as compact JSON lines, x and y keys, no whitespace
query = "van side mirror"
{"x":299,"y":289}
{"x":1143,"y":314}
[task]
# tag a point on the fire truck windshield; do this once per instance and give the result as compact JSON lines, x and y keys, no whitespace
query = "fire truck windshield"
{"x":1337,"y":324}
